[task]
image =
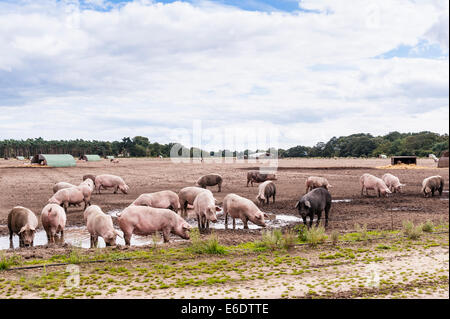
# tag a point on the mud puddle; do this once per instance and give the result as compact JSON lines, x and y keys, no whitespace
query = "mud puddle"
{"x":79,"y":237}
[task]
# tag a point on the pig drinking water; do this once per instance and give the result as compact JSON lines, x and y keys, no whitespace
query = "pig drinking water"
{"x":210,"y":180}
{"x":205,"y":209}
{"x":108,"y":181}
{"x":315,"y":182}
{"x":100,"y":224}
{"x":314,"y":203}
{"x":243,"y":208}
{"x":162,"y":199}
{"x":187,"y":196}
{"x":432,"y":184}
{"x":265,"y":191}
{"x":144,"y":220}
{"x":53,"y":219}
{"x":23,"y":222}
{"x":368,"y":181}
{"x":392,"y":182}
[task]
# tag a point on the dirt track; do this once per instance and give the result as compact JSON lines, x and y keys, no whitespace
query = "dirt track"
{"x":32,"y":187}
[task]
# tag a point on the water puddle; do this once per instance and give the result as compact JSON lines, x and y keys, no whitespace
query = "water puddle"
{"x":341,"y":200}
{"x":79,"y":236}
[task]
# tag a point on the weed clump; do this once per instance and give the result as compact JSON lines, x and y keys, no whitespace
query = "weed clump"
{"x":362,"y":232}
{"x":315,"y":235}
{"x":428,"y":227}
{"x":412,"y":231}
{"x":207,"y":246}
{"x":334,"y":237}
{"x":7,"y":262}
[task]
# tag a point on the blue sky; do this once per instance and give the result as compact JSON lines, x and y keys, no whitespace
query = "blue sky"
{"x":310,"y":70}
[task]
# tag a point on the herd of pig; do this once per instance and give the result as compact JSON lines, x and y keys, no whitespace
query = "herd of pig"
{"x":166,"y":211}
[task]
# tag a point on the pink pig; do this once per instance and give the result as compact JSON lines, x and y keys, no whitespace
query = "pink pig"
{"x":392,"y":182}
{"x":163,"y":199}
{"x":67,"y":196}
{"x":53,"y":219}
{"x":108,"y":181}
{"x":144,"y":220}
{"x":368,"y":181}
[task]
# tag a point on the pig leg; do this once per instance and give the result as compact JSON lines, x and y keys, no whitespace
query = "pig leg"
{"x":61,"y":237}
{"x":248,"y":182}
{"x":66,"y":205}
{"x":319,"y":215}
{"x":11,"y":246}
{"x":327,"y":210}
{"x":166,"y":235}
{"x":311,"y":217}
{"x":234,"y":223}
{"x":92,"y":241}
{"x":274,"y":197}
{"x":226,"y":220}
{"x":220,"y":187}
{"x":199,"y":222}
{"x":245,"y":221}
{"x":115,"y":189}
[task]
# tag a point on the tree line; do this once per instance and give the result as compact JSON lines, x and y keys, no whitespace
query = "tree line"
{"x":355,"y":145}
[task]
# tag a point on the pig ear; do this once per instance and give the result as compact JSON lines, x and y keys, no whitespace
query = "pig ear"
{"x":118,"y":234}
{"x":22,"y":229}
{"x":402,"y":185}
{"x":330,"y":185}
{"x":218,"y":209}
{"x":296,"y":204}
{"x":186,"y":226}
{"x":307,"y":203}
{"x":266,"y":216}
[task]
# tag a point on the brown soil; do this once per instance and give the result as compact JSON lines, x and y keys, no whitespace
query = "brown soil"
{"x":32,"y":187}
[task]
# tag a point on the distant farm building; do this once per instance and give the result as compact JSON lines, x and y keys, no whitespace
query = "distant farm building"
{"x":90,"y":157}
{"x":259,"y":155}
{"x":443,"y":160}
{"x":432,"y":156}
{"x":54,"y":160}
{"x":20,"y":158}
{"x":382,"y":156}
{"x":110,"y":157}
{"x":395,"y":160}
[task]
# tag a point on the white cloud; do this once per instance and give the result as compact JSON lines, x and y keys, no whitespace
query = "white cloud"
{"x":146,"y":68}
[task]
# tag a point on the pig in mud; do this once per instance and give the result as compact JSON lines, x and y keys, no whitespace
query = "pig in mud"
{"x":243,"y":208}
{"x":258,"y":177}
{"x":368,"y":181}
{"x":187,"y":196}
{"x":205,"y":208}
{"x":210,"y":180}
{"x":313,"y":203}
{"x":432,"y":184}
{"x":392,"y":182}
{"x":67,"y":196}
{"x":23,"y":222}
{"x":144,"y":220}
{"x":62,"y":185}
{"x":315,"y":182}
{"x":265,"y":191}
{"x":163,"y":199}
{"x":53,"y":219}
{"x":108,"y":181}
{"x":100,"y":225}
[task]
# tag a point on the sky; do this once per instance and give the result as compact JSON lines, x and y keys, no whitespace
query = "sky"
{"x":222,"y":74}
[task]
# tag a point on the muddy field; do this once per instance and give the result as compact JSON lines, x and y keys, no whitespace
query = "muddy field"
{"x":408,"y":269}
{"x":32,"y":187}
